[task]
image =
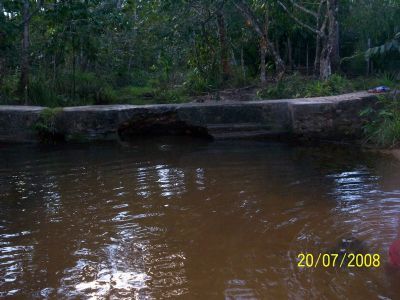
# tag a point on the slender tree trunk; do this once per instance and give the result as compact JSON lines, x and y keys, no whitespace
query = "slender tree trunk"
{"x":369,"y":58}
{"x":263,"y":56}
{"x":307,"y":60}
{"x":242,"y":63}
{"x":73,"y":69}
{"x":54,"y":70}
{"x":279,"y":64}
{"x":333,"y":8}
{"x":273,"y":50}
{"x":133,"y":39}
{"x":2,"y":71}
{"x":318,"y":38}
{"x":223,"y":45}
{"x":2,"y":59}
{"x":277,"y":48}
{"x":265,"y":44}
{"x":118,"y":4}
{"x":24,"y":80}
{"x":289,"y":53}
{"x":317,"y":54}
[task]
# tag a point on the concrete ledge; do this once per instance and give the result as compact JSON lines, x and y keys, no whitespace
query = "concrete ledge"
{"x":335,"y":117}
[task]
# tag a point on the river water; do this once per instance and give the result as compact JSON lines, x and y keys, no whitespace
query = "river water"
{"x":193,"y":220}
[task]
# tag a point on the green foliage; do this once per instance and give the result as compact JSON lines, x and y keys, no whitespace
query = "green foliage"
{"x":42,"y":93}
{"x":45,"y":127}
{"x":9,"y":89}
{"x":392,"y":45}
{"x":90,"y":89}
{"x":335,"y":85}
{"x":383,"y":124}
{"x":289,"y":87}
{"x":176,"y":95}
{"x":297,"y":86}
{"x":149,"y":95}
{"x":366,"y":83}
{"x":196,"y":83}
{"x":100,"y":52}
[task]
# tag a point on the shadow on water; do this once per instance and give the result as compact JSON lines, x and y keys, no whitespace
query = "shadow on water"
{"x":164,"y":218}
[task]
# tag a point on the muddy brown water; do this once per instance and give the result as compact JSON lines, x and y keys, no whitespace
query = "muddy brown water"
{"x":192,"y":220}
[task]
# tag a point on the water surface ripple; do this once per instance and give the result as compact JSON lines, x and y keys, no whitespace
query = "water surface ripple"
{"x":193,"y":220}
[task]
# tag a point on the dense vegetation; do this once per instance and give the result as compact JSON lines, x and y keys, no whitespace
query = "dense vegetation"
{"x":70,"y":52}
{"x":383,"y":126}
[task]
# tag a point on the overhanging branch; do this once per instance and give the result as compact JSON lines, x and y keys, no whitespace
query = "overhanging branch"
{"x":298,"y":21}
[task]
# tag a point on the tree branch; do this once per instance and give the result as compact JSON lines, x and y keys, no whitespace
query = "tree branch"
{"x":298,"y":21}
{"x":243,"y":7}
{"x":302,"y":8}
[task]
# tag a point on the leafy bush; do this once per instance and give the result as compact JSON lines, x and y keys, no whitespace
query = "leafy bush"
{"x":90,"y":89}
{"x":297,"y":86}
{"x":41,"y":92}
{"x":389,"y":79}
{"x":174,"y":95}
{"x":333,"y":86}
{"x":383,"y":126}
{"x":289,"y":87}
{"x":149,"y":95}
{"x":196,"y":83}
{"x":9,"y":89}
{"x":45,"y":127}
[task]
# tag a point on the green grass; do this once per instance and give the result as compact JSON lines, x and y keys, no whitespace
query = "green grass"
{"x":45,"y":126}
{"x":92,"y":90}
{"x":86,"y":88}
{"x":366,"y":83}
{"x":149,"y":95}
{"x":297,"y":86}
{"x":382,"y":127}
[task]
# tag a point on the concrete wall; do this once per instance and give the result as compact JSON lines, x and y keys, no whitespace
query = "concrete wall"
{"x":335,"y":117}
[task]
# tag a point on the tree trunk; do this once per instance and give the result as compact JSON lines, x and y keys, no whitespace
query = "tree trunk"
{"x":2,"y":59}
{"x":325,"y":64}
{"x":118,"y":4}
{"x":325,"y":68}
{"x":242,"y":63}
{"x":223,"y":45}
{"x":54,"y":70}
{"x":317,"y":54}
{"x":24,"y":79}
{"x":263,"y":56}
{"x":369,"y":58}
{"x":133,"y":39}
{"x":279,"y":65}
{"x":73,"y":69}
{"x":318,"y":39}
{"x":273,"y":50}
{"x":307,"y":60}
{"x":289,"y":53}
{"x":329,"y":42}
{"x":265,"y":44}
{"x":333,"y":8}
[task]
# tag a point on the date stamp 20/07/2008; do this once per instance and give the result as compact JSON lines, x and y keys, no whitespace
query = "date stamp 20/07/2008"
{"x":343,"y":260}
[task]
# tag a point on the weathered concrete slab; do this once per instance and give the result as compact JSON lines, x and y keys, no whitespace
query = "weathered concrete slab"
{"x":331,"y":117}
{"x":334,"y":117}
{"x":17,"y":123}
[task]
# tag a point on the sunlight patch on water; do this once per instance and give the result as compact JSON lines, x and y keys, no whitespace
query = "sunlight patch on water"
{"x":108,"y":281}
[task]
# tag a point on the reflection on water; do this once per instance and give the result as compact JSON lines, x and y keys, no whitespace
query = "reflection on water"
{"x":166,"y":219}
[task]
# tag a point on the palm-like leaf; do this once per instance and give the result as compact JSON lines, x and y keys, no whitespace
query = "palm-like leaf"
{"x":392,"y":45}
